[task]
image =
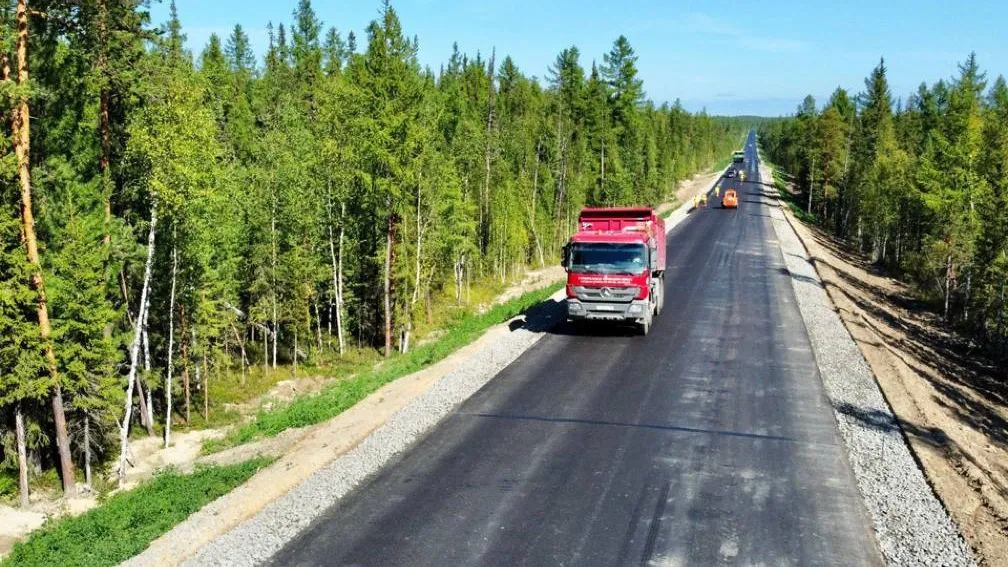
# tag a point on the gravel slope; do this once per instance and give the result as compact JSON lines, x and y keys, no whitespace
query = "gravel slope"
{"x":911,"y":525}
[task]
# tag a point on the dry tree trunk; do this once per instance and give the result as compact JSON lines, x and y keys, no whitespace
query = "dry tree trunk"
{"x":21,"y":128}
{"x":206,"y":385}
{"x":171,"y":342}
{"x":19,"y":432}
{"x":273,"y":242}
{"x":265,"y":336}
{"x":318,"y":324}
{"x":241,"y":345}
{"x":143,"y":389}
{"x":532,"y":208}
{"x":337,"y":265}
{"x":339,"y":277}
{"x":87,"y":451}
{"x":948,"y":285}
{"x":186,"y":388}
{"x":135,"y":347}
{"x":389,"y":259}
{"x":405,"y":340}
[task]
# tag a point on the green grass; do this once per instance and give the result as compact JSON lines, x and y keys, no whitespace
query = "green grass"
{"x":722,"y":164}
{"x":341,"y":395}
{"x":125,"y":524}
{"x":8,"y":485}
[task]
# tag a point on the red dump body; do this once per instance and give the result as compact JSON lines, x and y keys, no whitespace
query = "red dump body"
{"x":615,"y":265}
{"x":623,"y":224}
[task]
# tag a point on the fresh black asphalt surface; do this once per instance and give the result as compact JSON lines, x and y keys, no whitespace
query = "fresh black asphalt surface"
{"x":710,"y":441}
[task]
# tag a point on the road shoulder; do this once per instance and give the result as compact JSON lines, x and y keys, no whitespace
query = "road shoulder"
{"x":911,"y":525}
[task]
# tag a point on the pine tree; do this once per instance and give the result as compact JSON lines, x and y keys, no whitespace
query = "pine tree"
{"x":22,"y":140}
{"x":239,"y":53}
{"x":22,"y":351}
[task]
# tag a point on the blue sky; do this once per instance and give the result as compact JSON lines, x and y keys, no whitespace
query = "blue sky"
{"x":754,"y":57}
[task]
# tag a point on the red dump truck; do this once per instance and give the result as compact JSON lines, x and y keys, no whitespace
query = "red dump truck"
{"x":615,"y":266}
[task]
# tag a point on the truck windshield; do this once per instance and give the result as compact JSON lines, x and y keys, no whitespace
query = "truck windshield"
{"x":607,"y":258}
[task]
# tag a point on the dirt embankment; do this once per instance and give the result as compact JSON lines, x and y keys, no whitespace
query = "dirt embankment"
{"x":689,"y":187}
{"x":951,"y":403}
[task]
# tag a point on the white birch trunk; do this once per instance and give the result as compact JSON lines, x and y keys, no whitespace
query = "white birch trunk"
{"x":337,"y":273}
{"x":533,"y":207}
{"x":419,"y":243}
{"x":241,"y":346}
{"x":171,"y":342}
{"x":135,"y":350}
{"x":146,"y":341}
{"x":143,"y":388}
{"x":22,"y":452}
{"x":339,"y":281}
{"x":318,"y":324}
{"x":276,"y":323}
{"x":199,"y":378}
{"x":87,"y":451}
{"x":388,"y":289}
{"x":948,"y":284}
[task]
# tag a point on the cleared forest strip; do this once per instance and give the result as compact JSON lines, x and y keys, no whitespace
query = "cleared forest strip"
{"x":910,"y":524}
{"x":942,"y":406}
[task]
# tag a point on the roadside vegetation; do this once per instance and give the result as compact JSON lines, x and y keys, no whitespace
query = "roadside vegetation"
{"x":919,"y":187}
{"x":205,"y":225}
{"x":341,"y":395}
{"x":126,"y":523}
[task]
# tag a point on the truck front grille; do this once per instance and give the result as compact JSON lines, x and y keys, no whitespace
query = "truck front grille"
{"x":608,"y":294}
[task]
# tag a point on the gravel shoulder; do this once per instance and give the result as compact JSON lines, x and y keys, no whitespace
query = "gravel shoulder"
{"x":949,"y":403}
{"x":911,"y":525}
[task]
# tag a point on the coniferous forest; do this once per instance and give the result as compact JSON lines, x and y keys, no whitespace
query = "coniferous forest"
{"x":920,"y":186}
{"x":174,"y":218}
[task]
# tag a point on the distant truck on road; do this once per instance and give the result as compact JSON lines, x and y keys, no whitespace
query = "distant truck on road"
{"x":615,"y":265}
{"x":738,"y":156}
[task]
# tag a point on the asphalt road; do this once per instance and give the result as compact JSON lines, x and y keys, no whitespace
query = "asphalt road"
{"x":710,"y":441}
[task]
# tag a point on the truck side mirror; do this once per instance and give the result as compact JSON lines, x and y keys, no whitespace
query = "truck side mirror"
{"x":653,"y":258}
{"x":565,"y":255}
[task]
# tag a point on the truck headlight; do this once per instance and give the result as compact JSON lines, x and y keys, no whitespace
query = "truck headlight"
{"x":574,"y":305}
{"x":635,"y":308}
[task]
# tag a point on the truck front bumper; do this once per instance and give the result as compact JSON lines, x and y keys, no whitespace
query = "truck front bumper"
{"x":634,"y":311}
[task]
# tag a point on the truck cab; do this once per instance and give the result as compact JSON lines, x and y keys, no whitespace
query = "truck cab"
{"x":615,"y":266}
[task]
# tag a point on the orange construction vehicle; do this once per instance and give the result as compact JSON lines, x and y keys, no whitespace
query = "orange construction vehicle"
{"x":730,"y":200}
